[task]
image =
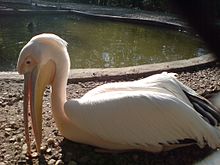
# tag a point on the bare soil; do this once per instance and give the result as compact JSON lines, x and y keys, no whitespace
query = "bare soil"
{"x":58,"y":150}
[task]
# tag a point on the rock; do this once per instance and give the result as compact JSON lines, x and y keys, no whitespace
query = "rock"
{"x":10,"y":95}
{"x":50,"y":142}
{"x":34,"y":155}
{"x":7,"y":134}
{"x":49,"y":150}
{"x":4,"y":104}
{"x":3,"y":151}
{"x":13,"y":125}
{"x":59,"y":162}
{"x":59,"y":156}
{"x":43,"y":148}
{"x":7,"y":157}
{"x":55,"y":132}
{"x":2,"y":163}
{"x":48,"y":105}
{"x":16,"y":145}
{"x":51,"y":162}
{"x":13,"y":139}
{"x":24,"y":149}
{"x":8,"y":129}
{"x":23,"y":157}
{"x":21,"y":162}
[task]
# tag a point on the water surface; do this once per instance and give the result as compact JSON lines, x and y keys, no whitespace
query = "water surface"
{"x":97,"y":43}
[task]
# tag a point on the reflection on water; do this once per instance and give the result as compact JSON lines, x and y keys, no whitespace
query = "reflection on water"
{"x":97,"y":43}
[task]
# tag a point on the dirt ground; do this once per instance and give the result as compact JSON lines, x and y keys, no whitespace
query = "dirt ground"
{"x":58,"y":150}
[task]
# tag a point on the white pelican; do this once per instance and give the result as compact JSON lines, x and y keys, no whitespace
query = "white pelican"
{"x":154,"y":114}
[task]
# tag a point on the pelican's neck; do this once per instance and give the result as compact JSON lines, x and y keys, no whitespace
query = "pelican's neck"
{"x":58,"y":98}
{"x":67,"y":127}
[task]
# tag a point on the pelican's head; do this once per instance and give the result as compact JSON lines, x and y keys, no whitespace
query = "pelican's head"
{"x":40,"y":60}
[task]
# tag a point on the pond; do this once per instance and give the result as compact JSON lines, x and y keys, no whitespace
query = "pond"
{"x":98,"y":43}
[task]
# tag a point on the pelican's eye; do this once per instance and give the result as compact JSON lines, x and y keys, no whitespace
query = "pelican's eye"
{"x":28,"y":62}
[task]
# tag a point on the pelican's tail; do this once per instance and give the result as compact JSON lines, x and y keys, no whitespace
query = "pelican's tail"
{"x":208,"y":111}
{"x":203,"y":106}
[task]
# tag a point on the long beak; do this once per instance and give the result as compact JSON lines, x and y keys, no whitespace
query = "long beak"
{"x":35,"y":83}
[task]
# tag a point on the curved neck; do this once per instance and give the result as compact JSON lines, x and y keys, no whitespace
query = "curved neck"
{"x":66,"y":126}
{"x":58,"y":98}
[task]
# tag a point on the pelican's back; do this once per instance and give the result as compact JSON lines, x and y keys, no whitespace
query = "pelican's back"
{"x":148,"y":114}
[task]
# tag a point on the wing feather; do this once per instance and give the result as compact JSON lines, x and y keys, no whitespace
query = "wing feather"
{"x":139,"y":118}
{"x":142,"y":114}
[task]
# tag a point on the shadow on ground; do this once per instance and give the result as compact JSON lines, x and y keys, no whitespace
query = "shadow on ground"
{"x":85,"y":154}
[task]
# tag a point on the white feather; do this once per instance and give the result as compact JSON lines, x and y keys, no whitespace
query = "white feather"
{"x":151,"y":112}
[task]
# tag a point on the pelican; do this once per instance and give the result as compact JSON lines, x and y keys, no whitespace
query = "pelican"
{"x":153,"y":114}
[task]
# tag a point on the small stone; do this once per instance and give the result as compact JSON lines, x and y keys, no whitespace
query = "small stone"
{"x":55,"y":132}
{"x":22,"y":157}
{"x":59,"y":162}
{"x":10,"y":95}
{"x":59,"y":155}
{"x":56,"y":144}
{"x":8,"y":129}
{"x":2,"y":163}
{"x":48,"y":150}
{"x":51,"y":162}
{"x":7,"y":157}
{"x":43,"y":149}
{"x":50,"y":141}
{"x":4,"y":104}
{"x":21,"y":162}
{"x":16,"y":143}
{"x":3,"y":150}
{"x":7,"y":134}
{"x":5,"y":93}
{"x":24,"y":149}
{"x":48,"y":105}
{"x":34,"y":155}
{"x":13,"y":124}
{"x":13,"y":139}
